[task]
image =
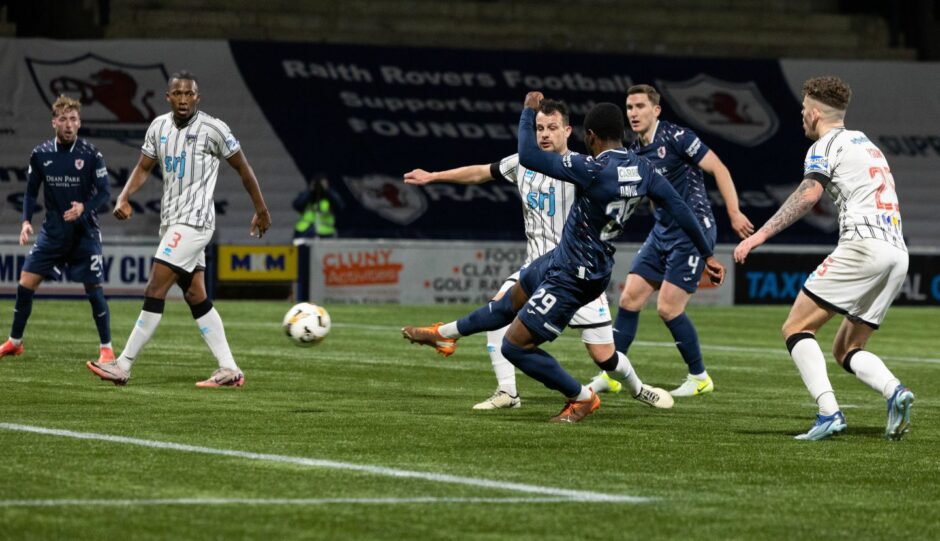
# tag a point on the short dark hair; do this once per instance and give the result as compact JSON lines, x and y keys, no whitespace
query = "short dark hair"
{"x":649,"y":90}
{"x":829,"y":90}
{"x":606,"y":121}
{"x":182,"y":75}
{"x":548,"y":107}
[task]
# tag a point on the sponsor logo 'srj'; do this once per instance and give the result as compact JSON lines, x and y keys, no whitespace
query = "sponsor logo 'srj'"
{"x":175,"y":164}
{"x":538,"y":200}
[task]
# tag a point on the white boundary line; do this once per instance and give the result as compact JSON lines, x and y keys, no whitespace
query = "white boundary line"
{"x":782,"y":350}
{"x":273,"y":501}
{"x":566,"y":494}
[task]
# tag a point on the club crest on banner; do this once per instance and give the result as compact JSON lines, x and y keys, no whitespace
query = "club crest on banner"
{"x":117,"y":98}
{"x":734,"y":111}
{"x":388,"y":197}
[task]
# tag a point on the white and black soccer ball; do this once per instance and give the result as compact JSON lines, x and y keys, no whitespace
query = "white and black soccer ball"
{"x":306,"y":324}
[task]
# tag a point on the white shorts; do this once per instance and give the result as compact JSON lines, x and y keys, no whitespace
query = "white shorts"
{"x":183,"y":247}
{"x":593,"y":318}
{"x":859,"y":279}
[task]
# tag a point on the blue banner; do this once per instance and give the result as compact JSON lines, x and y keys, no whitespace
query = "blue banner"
{"x":366,"y":115}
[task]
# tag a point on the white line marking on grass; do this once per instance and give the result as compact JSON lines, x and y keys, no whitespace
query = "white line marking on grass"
{"x":271,"y":501}
{"x":568,"y":495}
{"x":782,"y":350}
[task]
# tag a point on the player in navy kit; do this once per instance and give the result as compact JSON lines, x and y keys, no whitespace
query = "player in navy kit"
{"x":75,"y":183}
{"x":668,"y":261}
{"x":610,"y":185}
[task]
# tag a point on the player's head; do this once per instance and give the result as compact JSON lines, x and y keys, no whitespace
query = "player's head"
{"x":642,"y":108}
{"x":183,"y":94}
{"x":66,"y":119}
{"x":551,"y":126}
{"x":825,"y":100}
{"x":603,"y":128}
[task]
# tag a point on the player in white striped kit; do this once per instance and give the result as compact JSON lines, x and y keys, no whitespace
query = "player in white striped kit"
{"x":188,"y":144}
{"x":545,"y":205}
{"x":861,"y":277}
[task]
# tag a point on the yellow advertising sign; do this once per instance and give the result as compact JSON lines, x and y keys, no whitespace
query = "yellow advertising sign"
{"x":248,"y":263}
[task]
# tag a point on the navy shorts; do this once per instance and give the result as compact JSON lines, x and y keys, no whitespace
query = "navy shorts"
{"x":78,"y":256}
{"x":676,"y":261}
{"x":554,"y":297}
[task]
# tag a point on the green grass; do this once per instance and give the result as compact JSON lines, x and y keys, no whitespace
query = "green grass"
{"x":722,"y":466}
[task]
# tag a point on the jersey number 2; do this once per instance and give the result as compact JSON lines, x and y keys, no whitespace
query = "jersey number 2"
{"x":887,"y":180}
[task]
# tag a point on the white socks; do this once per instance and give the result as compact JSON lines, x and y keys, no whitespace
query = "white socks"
{"x":872,"y":371}
{"x":147,"y":323}
{"x":212,"y":331}
{"x":811,"y":363}
{"x":624,"y":373}
{"x":505,"y":371}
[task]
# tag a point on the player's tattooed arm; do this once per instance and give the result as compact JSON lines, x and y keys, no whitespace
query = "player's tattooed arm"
{"x":795,"y":207}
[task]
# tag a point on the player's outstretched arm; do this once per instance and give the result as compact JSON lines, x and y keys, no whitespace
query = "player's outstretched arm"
{"x":570,"y":168}
{"x":795,"y":207}
{"x":469,"y":174}
{"x":261,"y":221}
{"x":713,"y":165}
{"x":122,"y":207}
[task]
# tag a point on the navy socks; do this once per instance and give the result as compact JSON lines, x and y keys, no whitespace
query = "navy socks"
{"x":541,"y":366}
{"x":21,"y":311}
{"x":495,"y":315}
{"x":100,"y":313}
{"x":625,"y":329}
{"x":687,"y":341}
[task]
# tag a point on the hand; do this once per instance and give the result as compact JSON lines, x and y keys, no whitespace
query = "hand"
{"x":741,"y":225}
{"x":122,"y":209}
{"x":419,"y":177}
{"x":533,"y":100}
{"x":25,"y":232}
{"x":74,"y":213}
{"x":715,"y":270}
{"x":260,"y":223}
{"x":745,"y":247}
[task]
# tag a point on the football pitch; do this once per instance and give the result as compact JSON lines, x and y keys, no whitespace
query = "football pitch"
{"x":369,"y":437}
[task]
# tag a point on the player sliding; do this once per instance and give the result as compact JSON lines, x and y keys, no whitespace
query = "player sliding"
{"x":551,"y":289}
{"x":861,"y":277}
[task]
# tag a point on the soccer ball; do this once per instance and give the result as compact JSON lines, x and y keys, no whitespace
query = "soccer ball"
{"x":306,"y":324}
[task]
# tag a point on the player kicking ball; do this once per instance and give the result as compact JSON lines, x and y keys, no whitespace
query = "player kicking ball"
{"x":611,"y":184}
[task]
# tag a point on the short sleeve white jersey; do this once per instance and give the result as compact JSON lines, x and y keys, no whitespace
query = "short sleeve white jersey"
{"x":855,"y":174}
{"x":545,"y":204}
{"x":189,"y":156}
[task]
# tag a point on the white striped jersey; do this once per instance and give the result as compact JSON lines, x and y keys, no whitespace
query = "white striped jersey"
{"x":545,"y":204}
{"x":856,"y":176}
{"x":189,"y":156}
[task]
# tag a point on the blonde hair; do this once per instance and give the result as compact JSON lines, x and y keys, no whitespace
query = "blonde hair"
{"x":65,"y":102}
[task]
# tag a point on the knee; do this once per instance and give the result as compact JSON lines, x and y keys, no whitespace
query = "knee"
{"x":600,"y":352}
{"x":192,"y":296}
{"x":629,"y":301}
{"x":668,"y":312}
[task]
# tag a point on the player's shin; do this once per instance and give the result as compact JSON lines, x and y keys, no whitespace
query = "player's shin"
{"x":542,"y":367}
{"x":619,"y":368}
{"x":147,"y":323}
{"x":683,"y":332}
{"x":809,"y":360}
{"x":871,"y":370}
{"x":505,"y":371}
{"x":495,"y":315}
{"x":213,"y":332}
{"x":21,"y":311}
{"x":100,"y":313}
{"x":625,"y":326}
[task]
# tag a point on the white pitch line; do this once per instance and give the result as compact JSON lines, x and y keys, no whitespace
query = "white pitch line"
{"x":271,"y":501}
{"x":567,"y":494}
{"x":732,"y":349}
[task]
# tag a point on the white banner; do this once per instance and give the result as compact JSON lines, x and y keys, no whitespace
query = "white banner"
{"x":445,"y":272}
{"x":126,"y":269}
{"x":122,"y":86}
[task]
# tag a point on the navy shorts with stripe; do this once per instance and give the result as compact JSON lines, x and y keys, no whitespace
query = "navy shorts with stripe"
{"x":676,"y":261}
{"x":78,"y":255}
{"x":554,"y":297}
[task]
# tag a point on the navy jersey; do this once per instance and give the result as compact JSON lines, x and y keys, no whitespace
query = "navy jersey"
{"x":67,"y":173}
{"x":675,"y":151}
{"x":608,"y":190}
